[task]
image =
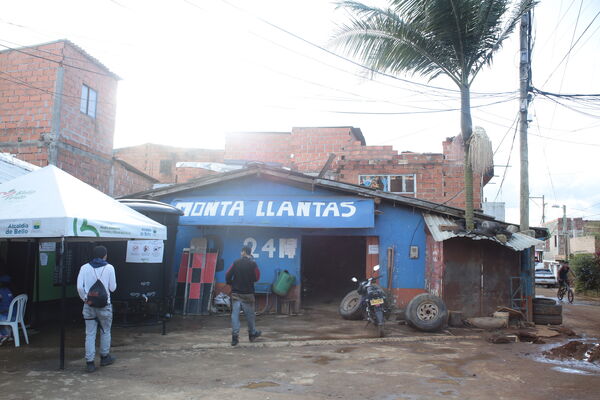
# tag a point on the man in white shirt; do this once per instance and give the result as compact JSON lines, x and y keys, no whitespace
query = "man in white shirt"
{"x":97,"y":269}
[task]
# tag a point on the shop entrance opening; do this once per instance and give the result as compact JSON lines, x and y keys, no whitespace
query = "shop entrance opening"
{"x":328,"y":264}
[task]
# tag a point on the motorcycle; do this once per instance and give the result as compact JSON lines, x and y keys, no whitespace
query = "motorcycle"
{"x":373,"y":304}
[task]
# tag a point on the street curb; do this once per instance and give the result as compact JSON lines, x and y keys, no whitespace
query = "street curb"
{"x":304,"y":343}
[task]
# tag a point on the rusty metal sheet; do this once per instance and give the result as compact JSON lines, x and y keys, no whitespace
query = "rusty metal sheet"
{"x":477,"y":276}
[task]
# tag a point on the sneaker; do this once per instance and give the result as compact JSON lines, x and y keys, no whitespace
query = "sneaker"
{"x":234,"y":340}
{"x":106,"y":360}
{"x":254,"y":336}
{"x":90,"y":366}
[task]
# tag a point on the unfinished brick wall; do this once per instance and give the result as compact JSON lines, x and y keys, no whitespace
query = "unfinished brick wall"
{"x":302,"y":149}
{"x":311,"y":147}
{"x":148,"y":157}
{"x":272,"y":147}
{"x":125,"y":181}
{"x":27,"y":84}
{"x":439,"y":177}
{"x":185,"y":174}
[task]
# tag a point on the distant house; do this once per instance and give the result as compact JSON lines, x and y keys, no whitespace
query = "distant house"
{"x":576,"y":237}
{"x":57,"y":106}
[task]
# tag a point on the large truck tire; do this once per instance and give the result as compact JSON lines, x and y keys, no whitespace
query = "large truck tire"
{"x":350,"y":306}
{"x":427,"y":313}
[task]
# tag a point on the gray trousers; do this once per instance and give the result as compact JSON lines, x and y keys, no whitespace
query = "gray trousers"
{"x":97,"y":318}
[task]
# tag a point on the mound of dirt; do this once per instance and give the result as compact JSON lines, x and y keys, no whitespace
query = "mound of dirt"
{"x":576,"y":350}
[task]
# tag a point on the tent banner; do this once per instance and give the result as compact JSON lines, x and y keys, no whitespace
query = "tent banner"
{"x":21,"y":228}
{"x":77,"y":227}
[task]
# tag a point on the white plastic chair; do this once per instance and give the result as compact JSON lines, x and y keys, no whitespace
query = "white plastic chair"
{"x":16,"y":318}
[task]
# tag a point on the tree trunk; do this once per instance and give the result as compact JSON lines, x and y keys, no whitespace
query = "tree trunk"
{"x":466,"y":127}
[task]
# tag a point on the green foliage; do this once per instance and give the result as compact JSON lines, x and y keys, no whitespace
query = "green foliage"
{"x":587,"y":271}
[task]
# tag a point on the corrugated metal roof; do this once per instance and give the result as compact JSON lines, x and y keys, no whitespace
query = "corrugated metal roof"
{"x":11,"y":167}
{"x":517,"y":241}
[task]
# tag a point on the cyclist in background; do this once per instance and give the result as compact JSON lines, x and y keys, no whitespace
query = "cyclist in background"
{"x":563,"y":275}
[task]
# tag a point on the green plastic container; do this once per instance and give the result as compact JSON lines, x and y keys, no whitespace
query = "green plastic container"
{"x":283,"y":283}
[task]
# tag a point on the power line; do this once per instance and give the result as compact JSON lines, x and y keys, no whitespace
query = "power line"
{"x":571,"y":48}
{"x":565,"y":95}
{"x":565,"y":141}
{"x":352,"y":61}
{"x":508,"y":161}
{"x":506,"y":133}
{"x":419,"y":112}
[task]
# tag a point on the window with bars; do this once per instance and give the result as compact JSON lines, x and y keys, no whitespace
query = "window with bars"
{"x":89,"y":98}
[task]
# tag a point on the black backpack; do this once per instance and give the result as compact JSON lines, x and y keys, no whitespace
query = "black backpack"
{"x":97,"y":296}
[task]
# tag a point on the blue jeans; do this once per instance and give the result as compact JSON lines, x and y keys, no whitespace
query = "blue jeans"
{"x":94,"y":317}
{"x":4,"y":329}
{"x":248,"y":308}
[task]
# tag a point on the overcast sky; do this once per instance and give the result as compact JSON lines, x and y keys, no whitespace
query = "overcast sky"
{"x":193,"y":70}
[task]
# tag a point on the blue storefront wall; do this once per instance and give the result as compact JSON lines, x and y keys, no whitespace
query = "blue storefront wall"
{"x":278,"y":247}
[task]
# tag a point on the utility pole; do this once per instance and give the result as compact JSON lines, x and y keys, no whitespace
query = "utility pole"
{"x":565,"y":233}
{"x":543,"y":206}
{"x":524,"y":79}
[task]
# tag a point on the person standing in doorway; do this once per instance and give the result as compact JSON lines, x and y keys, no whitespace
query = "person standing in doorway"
{"x":97,"y":317}
{"x":241,"y":277}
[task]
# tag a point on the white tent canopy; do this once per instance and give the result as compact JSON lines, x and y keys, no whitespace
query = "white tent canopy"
{"x":49,"y":203}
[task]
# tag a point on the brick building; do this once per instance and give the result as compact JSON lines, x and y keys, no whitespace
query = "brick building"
{"x":57,"y":106}
{"x":430,"y":176}
{"x":160,"y":161}
{"x":436,"y":177}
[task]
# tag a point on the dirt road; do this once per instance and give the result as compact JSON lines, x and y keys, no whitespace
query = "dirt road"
{"x":315,"y":356}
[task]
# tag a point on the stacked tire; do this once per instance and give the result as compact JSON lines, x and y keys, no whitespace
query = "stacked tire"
{"x":546,"y":311}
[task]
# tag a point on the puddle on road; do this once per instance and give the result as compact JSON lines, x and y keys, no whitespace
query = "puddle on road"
{"x":447,"y":392}
{"x":427,"y":348}
{"x":454,"y":368}
{"x":345,"y":349}
{"x":259,"y":385}
{"x":323,"y":360}
{"x":443,"y":381}
{"x":571,"y":371}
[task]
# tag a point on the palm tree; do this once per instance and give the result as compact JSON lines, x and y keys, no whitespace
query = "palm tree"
{"x":456,"y":38}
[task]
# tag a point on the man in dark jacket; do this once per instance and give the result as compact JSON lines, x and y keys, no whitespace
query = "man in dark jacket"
{"x":241,"y":277}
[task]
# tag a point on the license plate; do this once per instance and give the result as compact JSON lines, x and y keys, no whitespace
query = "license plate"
{"x":376,"y":302}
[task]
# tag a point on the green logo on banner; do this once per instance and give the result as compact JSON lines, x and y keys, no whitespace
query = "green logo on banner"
{"x":85,"y":227}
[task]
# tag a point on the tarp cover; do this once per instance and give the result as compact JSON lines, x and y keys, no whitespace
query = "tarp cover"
{"x":51,"y":203}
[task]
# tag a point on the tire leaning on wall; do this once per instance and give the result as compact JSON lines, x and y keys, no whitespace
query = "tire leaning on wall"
{"x":427,"y":312}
